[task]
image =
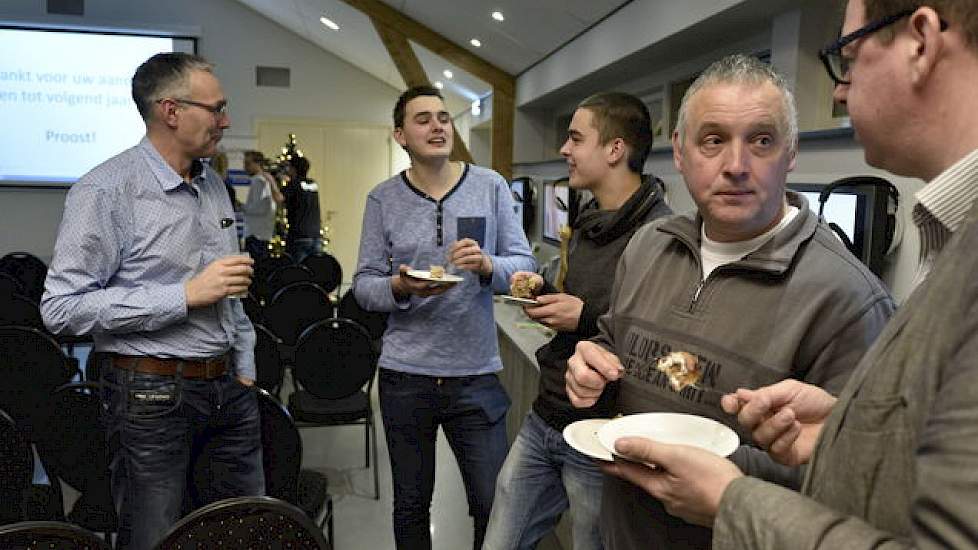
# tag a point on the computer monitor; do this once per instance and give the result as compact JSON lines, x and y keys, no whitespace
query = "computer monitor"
{"x":860,"y":210}
{"x":556,"y":209}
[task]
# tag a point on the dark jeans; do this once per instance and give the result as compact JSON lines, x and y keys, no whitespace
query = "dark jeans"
{"x":472,"y":412}
{"x":299,"y":248}
{"x":158,"y":429}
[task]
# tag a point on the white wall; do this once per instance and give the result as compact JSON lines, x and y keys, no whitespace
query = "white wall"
{"x":235,"y":39}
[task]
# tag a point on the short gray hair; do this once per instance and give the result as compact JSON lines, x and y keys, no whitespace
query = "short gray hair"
{"x":165,"y":75}
{"x":743,"y":69}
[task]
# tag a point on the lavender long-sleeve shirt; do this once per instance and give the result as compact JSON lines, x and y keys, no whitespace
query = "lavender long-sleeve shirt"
{"x":133,"y":233}
{"x":452,"y":334}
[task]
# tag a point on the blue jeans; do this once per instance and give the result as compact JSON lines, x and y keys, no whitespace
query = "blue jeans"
{"x":542,"y":476}
{"x":300,"y":248}
{"x":158,"y":427}
{"x":472,"y":412}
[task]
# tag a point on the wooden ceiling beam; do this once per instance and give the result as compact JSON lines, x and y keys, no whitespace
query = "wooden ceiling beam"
{"x":380,"y":12}
{"x":413,"y":73}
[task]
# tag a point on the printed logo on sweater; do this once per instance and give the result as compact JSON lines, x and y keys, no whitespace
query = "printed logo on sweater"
{"x":642,"y":350}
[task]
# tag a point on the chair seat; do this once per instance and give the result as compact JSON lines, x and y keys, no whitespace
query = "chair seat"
{"x":306,"y":407}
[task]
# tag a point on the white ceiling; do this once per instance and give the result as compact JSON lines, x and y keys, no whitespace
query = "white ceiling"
{"x":532,"y":29}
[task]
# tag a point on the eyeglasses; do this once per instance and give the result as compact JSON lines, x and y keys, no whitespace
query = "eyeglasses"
{"x":218,"y":110}
{"x":838,"y":65}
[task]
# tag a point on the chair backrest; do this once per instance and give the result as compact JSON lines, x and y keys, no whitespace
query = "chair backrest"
{"x":16,"y":469}
{"x":252,"y":308}
{"x":72,"y":442}
{"x":374,"y":321}
{"x":27,"y":269}
{"x":326,"y":270}
{"x":256,"y":523}
{"x":294,"y":308}
{"x":9,"y":285}
{"x":32,"y":365}
{"x":334,"y":358}
{"x":286,"y":275}
{"x":16,"y":309}
{"x":265,"y":266}
{"x":49,"y":534}
{"x":281,"y":448}
{"x":268,"y":359}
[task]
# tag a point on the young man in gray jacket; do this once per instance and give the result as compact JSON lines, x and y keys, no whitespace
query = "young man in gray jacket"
{"x":753,"y":285}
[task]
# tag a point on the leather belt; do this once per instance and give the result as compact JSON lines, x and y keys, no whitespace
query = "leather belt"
{"x":203,"y":369}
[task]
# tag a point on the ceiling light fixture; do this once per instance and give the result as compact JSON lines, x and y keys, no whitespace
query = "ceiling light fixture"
{"x":498,"y":16}
{"x":475,"y":42}
{"x":439,"y":85}
{"x":329,"y":23}
{"x":448,"y":74}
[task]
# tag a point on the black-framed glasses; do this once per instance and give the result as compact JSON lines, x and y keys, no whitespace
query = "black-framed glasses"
{"x":219,"y":109}
{"x":838,"y":65}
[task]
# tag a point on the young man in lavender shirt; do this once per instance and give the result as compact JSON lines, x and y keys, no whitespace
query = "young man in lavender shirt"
{"x":440,"y":354}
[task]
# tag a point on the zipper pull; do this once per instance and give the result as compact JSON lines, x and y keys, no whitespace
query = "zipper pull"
{"x":696,"y":294}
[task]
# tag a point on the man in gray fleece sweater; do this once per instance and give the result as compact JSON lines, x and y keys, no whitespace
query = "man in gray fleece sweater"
{"x":754,"y":285}
{"x":439,"y":357}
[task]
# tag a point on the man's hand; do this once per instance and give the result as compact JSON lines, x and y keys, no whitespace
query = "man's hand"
{"x":244,"y":380}
{"x":558,"y":311}
{"x":222,"y":277}
{"x":588,"y":371}
{"x":466,"y":254}
{"x":404,"y":285}
{"x":784,"y":418}
{"x":688,"y":481}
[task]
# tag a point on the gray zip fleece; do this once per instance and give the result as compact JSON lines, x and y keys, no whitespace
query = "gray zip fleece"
{"x":801,"y":306}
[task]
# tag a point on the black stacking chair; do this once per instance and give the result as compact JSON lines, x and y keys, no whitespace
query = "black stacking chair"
{"x":263,"y":268}
{"x":73,"y":449}
{"x":334,"y":369}
{"x":32,"y":366}
{"x":19,"y":310}
{"x":256,"y":523}
{"x":49,"y":534}
{"x":27,"y":269}
{"x":294,"y":308}
{"x":326,"y":270}
{"x":281,"y":457}
{"x":268,"y":360}
{"x":9,"y":285}
{"x":16,"y":470}
{"x":375,"y":322}
{"x":253,"y":309}
{"x":286,"y":275}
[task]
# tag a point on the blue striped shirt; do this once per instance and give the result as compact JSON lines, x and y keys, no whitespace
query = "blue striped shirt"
{"x":133,"y":233}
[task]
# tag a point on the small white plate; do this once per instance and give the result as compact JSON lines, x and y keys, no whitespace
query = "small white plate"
{"x":517,"y":300}
{"x":673,"y":428}
{"x":448,"y":279}
{"x":583,"y":437}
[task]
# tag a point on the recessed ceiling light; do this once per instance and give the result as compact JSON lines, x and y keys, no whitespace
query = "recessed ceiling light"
{"x":498,"y":16}
{"x":329,"y":23}
{"x":439,"y":85}
{"x":475,"y":42}
{"x":448,"y":74}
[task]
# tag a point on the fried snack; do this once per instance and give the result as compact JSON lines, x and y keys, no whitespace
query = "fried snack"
{"x":437,"y":272}
{"x":526,"y":287}
{"x":681,"y":368}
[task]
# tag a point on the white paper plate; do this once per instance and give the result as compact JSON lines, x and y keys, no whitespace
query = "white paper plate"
{"x":448,"y":279}
{"x":583,"y":437}
{"x":516,"y":300}
{"x":673,"y":428}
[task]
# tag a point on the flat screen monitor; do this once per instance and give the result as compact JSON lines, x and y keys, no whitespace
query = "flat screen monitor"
{"x":556,"y":208}
{"x":860,"y":211}
{"x":65,"y":99}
